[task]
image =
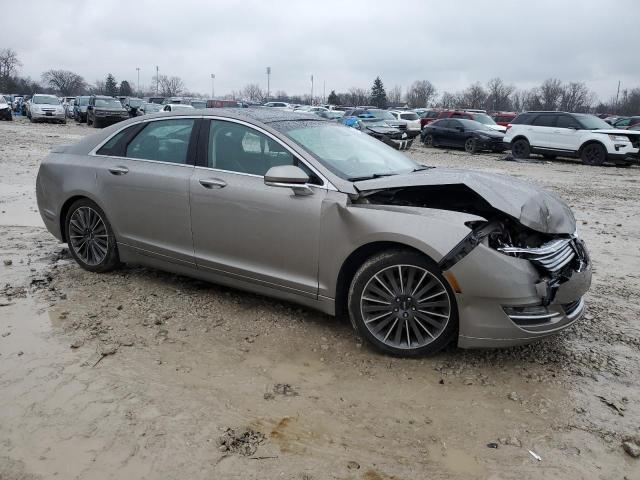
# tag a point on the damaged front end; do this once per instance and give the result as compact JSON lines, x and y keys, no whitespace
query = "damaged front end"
{"x":523,"y":262}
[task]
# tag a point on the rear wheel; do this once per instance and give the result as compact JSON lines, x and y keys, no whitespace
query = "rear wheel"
{"x":402,"y":305}
{"x":90,"y":237}
{"x":593,"y":154}
{"x":470,"y":145}
{"x":520,"y":148}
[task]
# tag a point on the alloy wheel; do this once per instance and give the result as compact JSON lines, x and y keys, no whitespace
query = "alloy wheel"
{"x":405,"y":306}
{"x":470,"y":145}
{"x":428,"y":141}
{"x":88,"y":236}
{"x":593,"y":155}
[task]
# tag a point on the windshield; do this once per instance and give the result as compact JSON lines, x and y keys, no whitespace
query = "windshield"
{"x":46,"y":100}
{"x":82,"y":101}
{"x":199,"y":104}
{"x":347,"y":152}
{"x":591,"y":122}
{"x":483,"y":118}
{"x":409,"y":116}
{"x":383,"y":114}
{"x":135,"y":102}
{"x":108,"y":102}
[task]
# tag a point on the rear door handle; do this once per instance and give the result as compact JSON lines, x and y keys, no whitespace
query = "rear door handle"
{"x":212,"y":183}
{"x":119,"y":170}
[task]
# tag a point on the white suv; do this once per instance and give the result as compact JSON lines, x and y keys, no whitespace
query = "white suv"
{"x":412,"y":119}
{"x":575,"y":135}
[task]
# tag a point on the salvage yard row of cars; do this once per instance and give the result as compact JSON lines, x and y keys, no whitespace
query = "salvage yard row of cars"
{"x":596,"y":141}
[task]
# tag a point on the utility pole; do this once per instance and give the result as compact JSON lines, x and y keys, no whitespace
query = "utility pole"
{"x":138,"y":69}
{"x":213,"y":90}
{"x":324,"y":98}
{"x":311,"y":89}
{"x":157,"y":79}
{"x":617,"y":95}
{"x":268,"y":81}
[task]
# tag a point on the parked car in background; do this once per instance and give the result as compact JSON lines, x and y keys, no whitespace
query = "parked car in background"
{"x":487,"y":120}
{"x":416,"y":257}
{"x":5,"y":108}
{"x":634,"y":127}
{"x":471,"y":135}
{"x":310,"y":109}
{"x":428,"y":116}
{"x":131,"y":105}
{"x":176,"y":107}
{"x":147,"y":107}
{"x":17,"y":103}
{"x":455,"y":114}
{"x":225,"y":104}
{"x":626,"y":122}
{"x":380,"y":130}
{"x":331,"y":114}
{"x":80,"y":108}
{"x":67,"y":104}
{"x":576,"y":135}
{"x":281,"y":105}
{"x":46,"y":108}
{"x":155,"y":100}
{"x":391,"y":120}
{"x":412,"y":119}
{"x":198,"y":104}
{"x":103,"y":111}
{"x":503,"y":118}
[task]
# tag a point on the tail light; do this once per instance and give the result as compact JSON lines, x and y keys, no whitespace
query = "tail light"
{"x":508,"y":127}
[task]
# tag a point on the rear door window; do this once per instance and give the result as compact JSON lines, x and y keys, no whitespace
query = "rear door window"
{"x":565,"y":121}
{"x":163,"y":141}
{"x":545,"y":121}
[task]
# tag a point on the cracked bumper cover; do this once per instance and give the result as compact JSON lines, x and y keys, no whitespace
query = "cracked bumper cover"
{"x":505,"y":302}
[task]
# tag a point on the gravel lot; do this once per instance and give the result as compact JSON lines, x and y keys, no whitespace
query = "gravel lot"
{"x":146,"y":375}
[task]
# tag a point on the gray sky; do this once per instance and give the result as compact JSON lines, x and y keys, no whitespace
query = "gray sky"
{"x":344,"y":43}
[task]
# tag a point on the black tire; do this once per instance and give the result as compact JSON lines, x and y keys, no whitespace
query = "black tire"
{"x":593,"y":154}
{"x":549,"y":156}
{"x":108,"y":258}
{"x":470,"y":145}
{"x":95,"y":123}
{"x":403,"y":309}
{"x":428,"y":140}
{"x":520,"y":148}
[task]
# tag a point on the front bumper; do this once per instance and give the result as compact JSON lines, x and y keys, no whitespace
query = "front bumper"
{"x":110,"y":119}
{"x":505,"y":300}
{"x":402,"y":144}
{"x":59,"y":116}
{"x":629,"y":156}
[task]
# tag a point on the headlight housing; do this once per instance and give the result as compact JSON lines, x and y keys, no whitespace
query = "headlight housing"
{"x":618,"y":138}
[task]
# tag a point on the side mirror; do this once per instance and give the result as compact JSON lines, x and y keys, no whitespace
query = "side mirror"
{"x":288,"y":176}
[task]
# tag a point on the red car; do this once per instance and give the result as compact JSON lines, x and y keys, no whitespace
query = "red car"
{"x":503,"y":118}
{"x":455,"y":114}
{"x":428,"y":116}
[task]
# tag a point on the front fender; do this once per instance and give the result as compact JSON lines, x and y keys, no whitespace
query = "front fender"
{"x":345,"y":227}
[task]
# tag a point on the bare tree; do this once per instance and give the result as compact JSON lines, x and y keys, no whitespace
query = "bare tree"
{"x":420,"y":93}
{"x":395,"y":94}
{"x":447,"y":100}
{"x":253,"y":92}
{"x":357,"y":96}
{"x":550,"y":94}
{"x":64,"y":81}
{"x":9,"y":64}
{"x":498,"y":95}
{"x":169,"y":86}
{"x":576,"y":97}
{"x":474,"y":96}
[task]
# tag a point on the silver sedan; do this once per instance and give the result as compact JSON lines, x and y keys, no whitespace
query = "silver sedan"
{"x":299,"y":208}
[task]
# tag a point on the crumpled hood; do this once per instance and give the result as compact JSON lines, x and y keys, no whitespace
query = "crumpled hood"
{"x":383,"y":130}
{"x":532,"y":206}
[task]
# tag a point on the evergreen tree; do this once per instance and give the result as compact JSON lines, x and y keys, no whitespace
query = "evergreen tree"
{"x":333,"y":99}
{"x":125,"y":89}
{"x":111,"y":86}
{"x":378,"y":95}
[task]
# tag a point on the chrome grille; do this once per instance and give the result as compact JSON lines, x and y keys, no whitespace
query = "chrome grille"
{"x":552,"y":256}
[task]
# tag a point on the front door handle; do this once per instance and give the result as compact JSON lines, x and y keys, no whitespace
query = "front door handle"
{"x":212,"y":183}
{"x":119,"y":170}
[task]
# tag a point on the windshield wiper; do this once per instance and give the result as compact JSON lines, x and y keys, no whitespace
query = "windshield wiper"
{"x":422,"y":167}
{"x":370,"y":177}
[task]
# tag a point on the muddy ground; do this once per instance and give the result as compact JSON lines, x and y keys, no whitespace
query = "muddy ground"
{"x":140,"y":374}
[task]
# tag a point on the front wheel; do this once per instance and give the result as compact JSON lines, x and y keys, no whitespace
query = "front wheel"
{"x":428,"y":140}
{"x":90,"y":237}
{"x":593,"y":154}
{"x":520,"y":148}
{"x":402,"y":305}
{"x":470,"y":145}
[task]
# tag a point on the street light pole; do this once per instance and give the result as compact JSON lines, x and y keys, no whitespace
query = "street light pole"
{"x":138,"y":69}
{"x":157,"y":79}
{"x":213,"y":91}
{"x":311,"y":89}
{"x":268,"y":81}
